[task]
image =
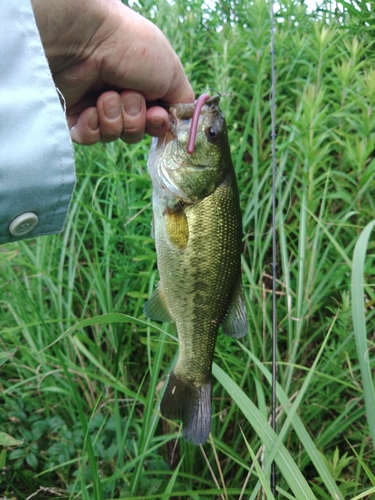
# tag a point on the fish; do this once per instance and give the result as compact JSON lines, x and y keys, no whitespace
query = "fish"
{"x":197,"y":228}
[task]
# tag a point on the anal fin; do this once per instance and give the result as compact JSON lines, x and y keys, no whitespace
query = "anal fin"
{"x":235,"y":322}
{"x":156,"y":307}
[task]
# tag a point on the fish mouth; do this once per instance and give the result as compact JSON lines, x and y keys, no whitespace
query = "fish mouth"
{"x":187,"y":117}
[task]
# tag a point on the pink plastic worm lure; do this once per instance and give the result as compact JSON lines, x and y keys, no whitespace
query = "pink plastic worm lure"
{"x":194,"y":122}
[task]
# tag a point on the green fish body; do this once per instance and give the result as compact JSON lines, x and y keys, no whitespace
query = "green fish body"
{"x":198,"y":231}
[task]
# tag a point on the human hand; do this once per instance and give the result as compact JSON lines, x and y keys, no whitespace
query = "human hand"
{"x":111,"y":65}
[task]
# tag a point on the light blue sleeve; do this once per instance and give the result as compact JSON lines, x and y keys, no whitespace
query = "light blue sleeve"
{"x":37,"y":173}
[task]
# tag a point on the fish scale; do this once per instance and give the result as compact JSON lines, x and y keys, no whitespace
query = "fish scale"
{"x":198,"y":232}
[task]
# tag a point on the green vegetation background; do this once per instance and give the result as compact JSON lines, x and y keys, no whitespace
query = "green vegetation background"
{"x":81,"y":367}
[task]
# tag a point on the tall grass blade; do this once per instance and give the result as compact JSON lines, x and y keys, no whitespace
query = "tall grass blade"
{"x":99,"y":320}
{"x":151,"y":415}
{"x":365,"y":494}
{"x":359,"y":324}
{"x":172,"y":481}
{"x":294,"y":420}
{"x":262,"y":477}
{"x":284,"y":461}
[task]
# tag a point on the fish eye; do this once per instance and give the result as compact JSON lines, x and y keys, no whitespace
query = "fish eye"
{"x":212,"y":134}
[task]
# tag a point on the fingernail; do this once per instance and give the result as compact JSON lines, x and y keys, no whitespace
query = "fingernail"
{"x":132,"y":104}
{"x":111,"y":108}
{"x":93,"y":121}
{"x":156,"y":123}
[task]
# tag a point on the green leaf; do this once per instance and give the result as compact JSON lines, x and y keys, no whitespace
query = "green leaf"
{"x":17,"y":453}
{"x":6,"y":356}
{"x":3,"y":456}
{"x":32,"y":460}
{"x":4,"y":285}
{"x":6,"y":440}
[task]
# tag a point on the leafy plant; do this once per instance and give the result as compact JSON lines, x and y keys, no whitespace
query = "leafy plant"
{"x":81,"y":366}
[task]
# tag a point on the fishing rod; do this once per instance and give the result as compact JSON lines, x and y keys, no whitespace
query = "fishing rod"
{"x":274,"y":239}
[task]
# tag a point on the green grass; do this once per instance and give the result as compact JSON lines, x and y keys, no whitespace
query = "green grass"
{"x":82,"y":368}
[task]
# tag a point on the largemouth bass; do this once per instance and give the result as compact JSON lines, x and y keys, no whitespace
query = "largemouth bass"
{"x":198,"y":231}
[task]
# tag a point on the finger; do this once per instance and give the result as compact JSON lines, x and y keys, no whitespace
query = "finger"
{"x":88,"y":101}
{"x":133,"y":116}
{"x":157,"y":121}
{"x":84,"y":127}
{"x":109,"y":108}
{"x":99,"y":124}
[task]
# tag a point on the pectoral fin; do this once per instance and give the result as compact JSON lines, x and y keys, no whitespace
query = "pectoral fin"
{"x":177,"y":229}
{"x":156,"y":308}
{"x":235,"y":322}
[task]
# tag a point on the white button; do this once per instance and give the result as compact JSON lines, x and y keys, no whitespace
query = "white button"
{"x":23,"y":224}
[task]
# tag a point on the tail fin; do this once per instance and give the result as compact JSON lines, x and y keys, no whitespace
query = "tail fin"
{"x":191,"y":404}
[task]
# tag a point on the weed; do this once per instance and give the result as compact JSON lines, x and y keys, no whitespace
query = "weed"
{"x":82,"y":368}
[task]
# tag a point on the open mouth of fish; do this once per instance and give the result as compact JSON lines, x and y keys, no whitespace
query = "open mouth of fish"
{"x":187,"y":112}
